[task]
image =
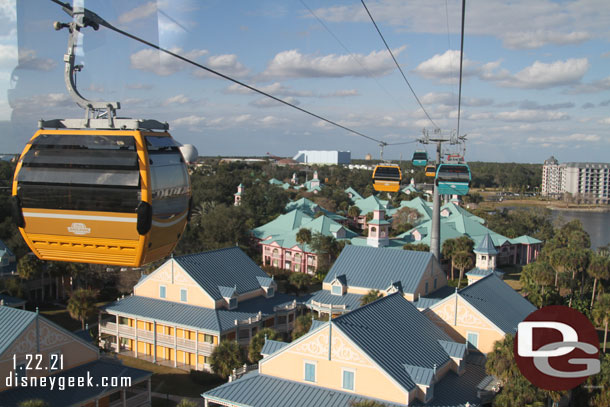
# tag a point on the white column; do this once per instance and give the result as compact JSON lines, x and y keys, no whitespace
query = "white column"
{"x":175,"y":346}
{"x":196,"y":350}
{"x":135,"y":345}
{"x":154,"y":341}
{"x":118,"y":339}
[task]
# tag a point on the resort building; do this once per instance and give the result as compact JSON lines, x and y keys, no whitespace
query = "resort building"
{"x":323,"y":157}
{"x":182,"y":310}
{"x":238,"y":195}
{"x":35,"y":349}
{"x":479,"y":314}
{"x":485,"y":264}
{"x":359,"y":270}
{"x":588,"y":182}
{"x":8,"y":261}
{"x":386,"y":351}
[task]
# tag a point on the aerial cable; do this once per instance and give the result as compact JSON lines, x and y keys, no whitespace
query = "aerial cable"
{"x":396,"y":62}
{"x":351,"y":54}
{"x":461,"y":63}
{"x":100,"y":21}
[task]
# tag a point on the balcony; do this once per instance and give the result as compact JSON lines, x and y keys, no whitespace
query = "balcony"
{"x":184,"y":344}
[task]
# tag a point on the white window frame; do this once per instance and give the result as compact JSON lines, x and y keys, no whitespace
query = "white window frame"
{"x":185,"y":291}
{"x":315,"y":370}
{"x":270,"y":292}
{"x":353,"y":372}
{"x":468,"y":343}
{"x":231,"y":300}
{"x":333,"y":287}
{"x":164,"y":288}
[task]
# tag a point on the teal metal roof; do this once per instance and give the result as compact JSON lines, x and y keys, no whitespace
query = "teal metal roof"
{"x":274,"y":181}
{"x":418,"y":204}
{"x":76,"y":396}
{"x":226,"y":292}
{"x":498,"y":302}
{"x":394,"y":333}
{"x":351,"y":301}
{"x":483,"y":273}
{"x":420,"y":375}
{"x":355,"y":195}
{"x":315,"y":324}
{"x":486,"y":246}
{"x":195,"y":317}
{"x":393,"y":243}
{"x":265,"y":281}
{"x":229,"y":267}
{"x":282,"y":224}
{"x":304,"y":205}
{"x":454,"y":349}
{"x":166,"y":312}
{"x":525,"y":239}
{"x":13,"y":322}
{"x":377,"y":268}
{"x":272,"y":346}
{"x":257,"y":390}
{"x":370,"y":204}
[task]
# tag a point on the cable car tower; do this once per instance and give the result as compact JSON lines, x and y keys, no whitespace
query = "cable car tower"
{"x":438,"y":139}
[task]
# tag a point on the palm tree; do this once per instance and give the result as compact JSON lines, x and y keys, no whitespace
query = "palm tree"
{"x":28,"y":266}
{"x":557,"y":259}
{"x":81,"y":305}
{"x":257,"y":342}
{"x":226,"y":357}
{"x":463,"y":261}
{"x":301,"y":326}
{"x":303,"y":236}
{"x":601,"y":314}
{"x":353,"y":212}
{"x":448,"y":250}
{"x":299,"y":281}
{"x":369,"y":297}
{"x":366,"y":403}
{"x":599,"y":268}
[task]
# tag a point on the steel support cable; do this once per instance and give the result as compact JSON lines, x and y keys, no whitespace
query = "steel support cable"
{"x":397,"y":65}
{"x":461,"y":63}
{"x":104,"y":23}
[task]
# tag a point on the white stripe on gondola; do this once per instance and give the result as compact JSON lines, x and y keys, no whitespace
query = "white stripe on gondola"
{"x":168,"y":224}
{"x":79,"y":217}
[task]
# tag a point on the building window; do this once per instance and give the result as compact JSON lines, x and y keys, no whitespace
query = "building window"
{"x":426,"y":288}
{"x":434,"y":285}
{"x":233,"y":303}
{"x":473,"y":339}
{"x":162,"y":291}
{"x":270,"y":292}
{"x":483,"y":257}
{"x":208,"y":339}
{"x":183,"y":294}
{"x":347,"y":379}
{"x":337,"y":290}
{"x":310,"y":372}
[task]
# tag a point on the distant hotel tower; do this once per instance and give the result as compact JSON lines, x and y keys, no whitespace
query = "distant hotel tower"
{"x":587,"y":182}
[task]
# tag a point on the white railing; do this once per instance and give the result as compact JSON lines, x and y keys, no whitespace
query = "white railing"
{"x":138,"y":400}
{"x":328,"y":306}
{"x":162,"y":339}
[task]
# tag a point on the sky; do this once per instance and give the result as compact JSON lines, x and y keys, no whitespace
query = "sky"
{"x":536,"y":76}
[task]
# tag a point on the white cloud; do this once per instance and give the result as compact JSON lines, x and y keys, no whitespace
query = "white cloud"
{"x":191,"y":120}
{"x":591,"y":138}
{"x":178,"y":99}
{"x":451,"y":99}
{"x":531,"y":116}
{"x":540,"y":38}
{"x":293,"y":64}
{"x":605,"y":121}
{"x":272,"y":121}
{"x":8,"y":56}
{"x":242,"y":118}
{"x":268,"y":102}
{"x":341,"y":93}
{"x":160,"y":63}
{"x":139,"y":13}
{"x":542,"y":75}
{"x":445,"y":67}
{"x":557,"y":23}
{"x":226,"y":64}
{"x":592,"y":87}
{"x":142,"y":86}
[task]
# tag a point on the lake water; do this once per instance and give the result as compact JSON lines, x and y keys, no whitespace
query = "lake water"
{"x":597,"y":224}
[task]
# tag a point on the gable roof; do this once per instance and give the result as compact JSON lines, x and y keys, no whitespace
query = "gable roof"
{"x":370,"y":204}
{"x":303,"y":204}
{"x":272,"y":346}
{"x":229,"y":267}
{"x":498,"y":302}
{"x":377,"y":268}
{"x":394,"y":333}
{"x":355,"y":195}
{"x":13,"y":322}
{"x":525,"y":239}
{"x":282,"y":224}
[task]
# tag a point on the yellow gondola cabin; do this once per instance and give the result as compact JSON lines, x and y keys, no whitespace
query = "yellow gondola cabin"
{"x":106,"y":196}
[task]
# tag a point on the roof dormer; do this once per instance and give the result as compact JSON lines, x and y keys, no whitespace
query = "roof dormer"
{"x":395,"y":287}
{"x":339,"y":285}
{"x":229,"y":294}
{"x":268,"y":285}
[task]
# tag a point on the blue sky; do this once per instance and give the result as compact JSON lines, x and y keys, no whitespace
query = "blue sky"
{"x":536,"y":74}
